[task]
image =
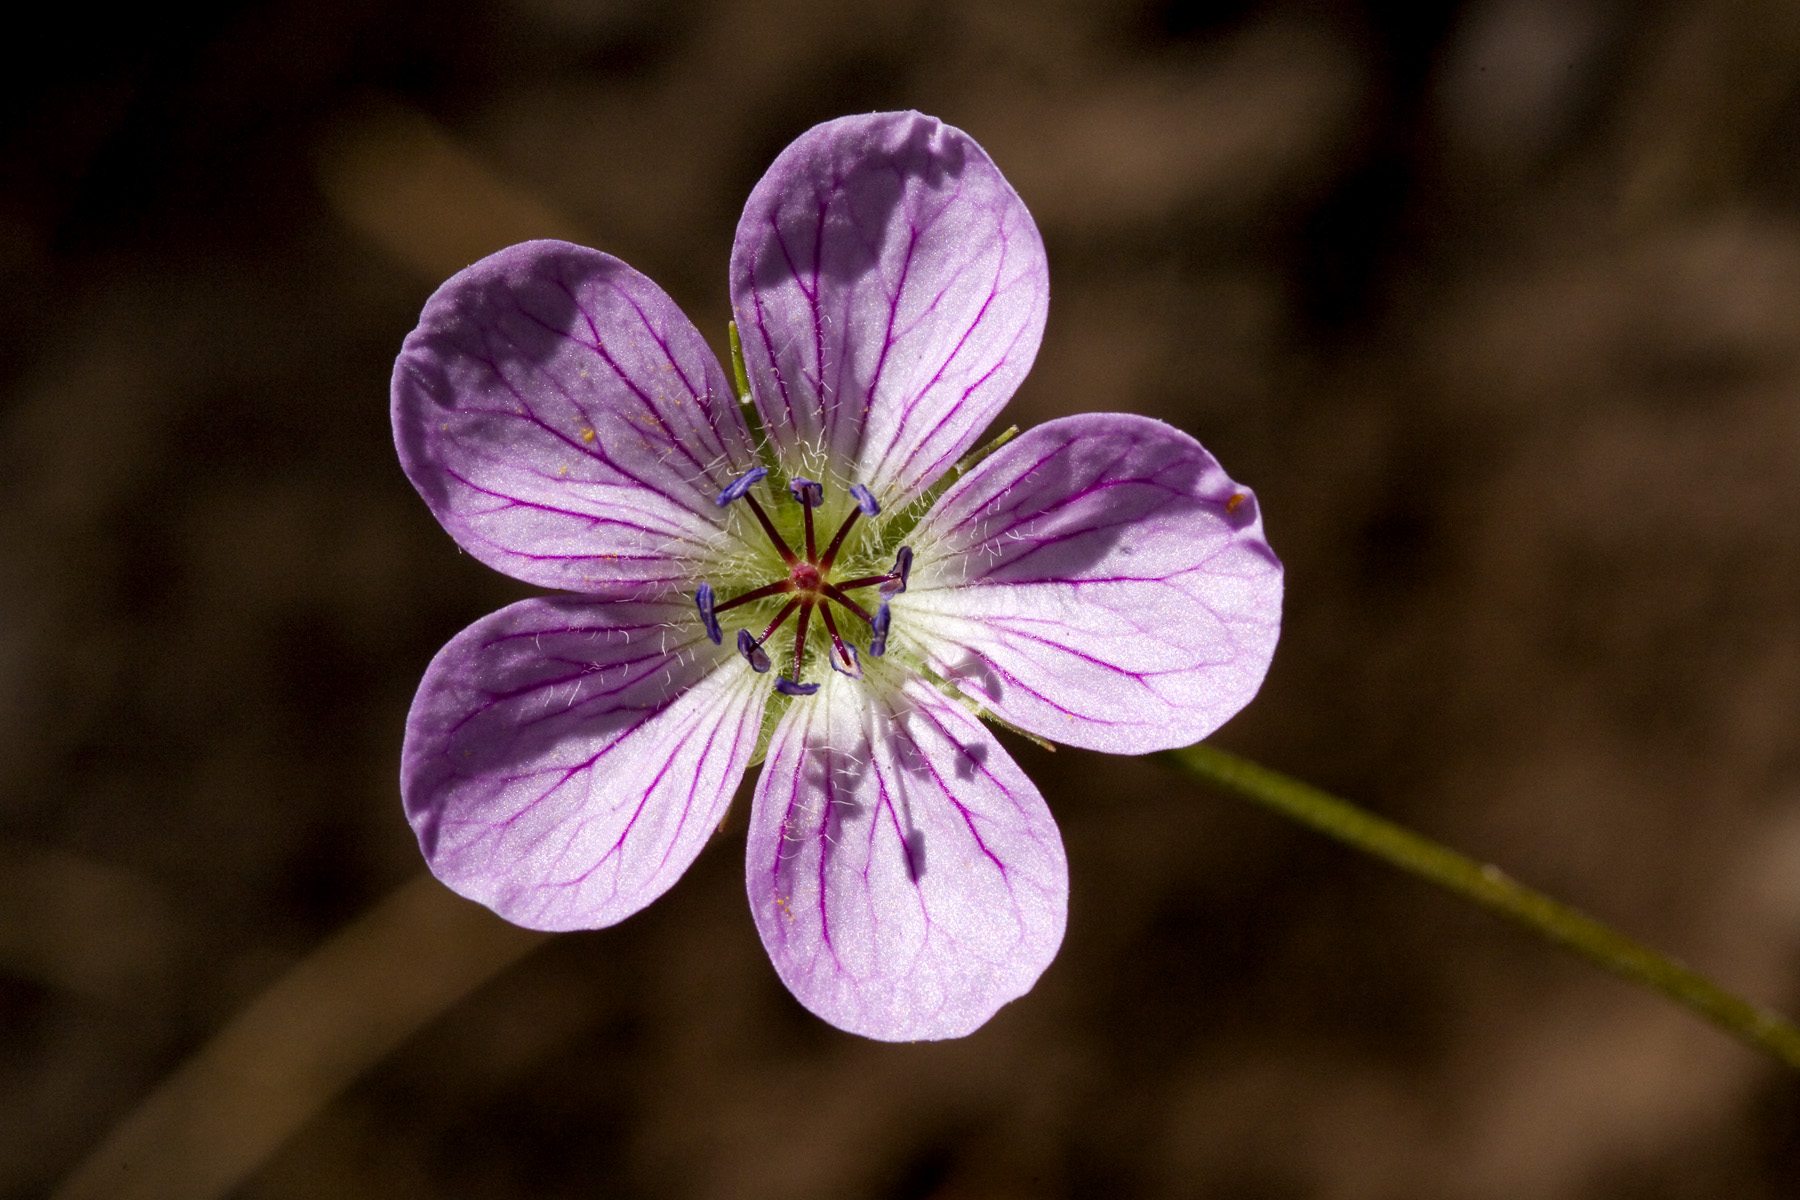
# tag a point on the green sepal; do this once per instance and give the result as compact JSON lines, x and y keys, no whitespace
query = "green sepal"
{"x":740,"y":377}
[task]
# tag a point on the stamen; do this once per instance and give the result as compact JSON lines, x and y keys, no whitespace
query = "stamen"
{"x":879,"y":627}
{"x":902,"y":569}
{"x":851,"y":666}
{"x":836,"y":593}
{"x":781,"y":616}
{"x":845,"y":660}
{"x":866,"y":506}
{"x":753,"y":653}
{"x":738,"y":487}
{"x":806,"y":607}
{"x":893,"y":583}
{"x":808,"y":585}
{"x":775,"y":539}
{"x":703,"y":600}
{"x":837,"y":540}
{"x":810,"y":493}
{"x":770,"y":589}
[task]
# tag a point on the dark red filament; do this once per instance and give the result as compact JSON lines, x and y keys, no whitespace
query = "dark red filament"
{"x":780,"y":543}
{"x":809,"y":578}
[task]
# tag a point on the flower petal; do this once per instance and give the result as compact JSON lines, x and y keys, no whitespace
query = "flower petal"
{"x":566,"y":423}
{"x":566,"y":760}
{"x":1101,"y":582}
{"x":890,"y":288}
{"x":906,"y":877}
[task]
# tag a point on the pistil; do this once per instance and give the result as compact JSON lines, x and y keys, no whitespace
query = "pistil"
{"x":809,"y":585}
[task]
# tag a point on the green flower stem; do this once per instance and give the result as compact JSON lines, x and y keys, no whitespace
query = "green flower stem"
{"x":1493,"y":890}
{"x":740,"y":378}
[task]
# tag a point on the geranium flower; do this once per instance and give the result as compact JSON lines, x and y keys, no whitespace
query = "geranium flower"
{"x":812,"y":581}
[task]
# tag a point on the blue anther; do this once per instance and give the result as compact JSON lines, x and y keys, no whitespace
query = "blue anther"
{"x":737,"y":487}
{"x":902,"y":569}
{"x":703,"y":600}
{"x":879,"y":627}
{"x":809,"y":492}
{"x":788,"y":687}
{"x":865,"y":500}
{"x":854,"y":662}
{"x":753,"y":653}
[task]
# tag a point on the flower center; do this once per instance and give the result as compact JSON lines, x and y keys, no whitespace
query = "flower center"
{"x":809,"y":585}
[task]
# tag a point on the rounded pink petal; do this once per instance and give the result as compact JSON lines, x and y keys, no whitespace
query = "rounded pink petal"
{"x":890,"y":288}
{"x":565,"y":760}
{"x":1101,"y":582}
{"x":566,"y":423}
{"x":906,"y":877}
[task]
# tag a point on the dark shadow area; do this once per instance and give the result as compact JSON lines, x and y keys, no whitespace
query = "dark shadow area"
{"x":814,"y":210}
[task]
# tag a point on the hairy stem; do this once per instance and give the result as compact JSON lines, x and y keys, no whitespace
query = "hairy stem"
{"x":1493,"y":890}
{"x":740,"y":378}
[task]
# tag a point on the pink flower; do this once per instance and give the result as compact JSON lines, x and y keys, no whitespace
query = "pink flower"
{"x":1098,"y":581}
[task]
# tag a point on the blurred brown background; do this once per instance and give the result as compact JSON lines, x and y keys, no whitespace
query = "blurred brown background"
{"x":1498,"y":308}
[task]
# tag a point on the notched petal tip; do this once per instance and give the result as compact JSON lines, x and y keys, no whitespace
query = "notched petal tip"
{"x":1242,"y":511}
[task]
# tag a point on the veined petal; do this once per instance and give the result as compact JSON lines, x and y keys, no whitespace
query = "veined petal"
{"x":890,"y":288}
{"x":566,"y":423}
{"x":906,"y":877}
{"x":566,"y":760}
{"x":1101,"y":582}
